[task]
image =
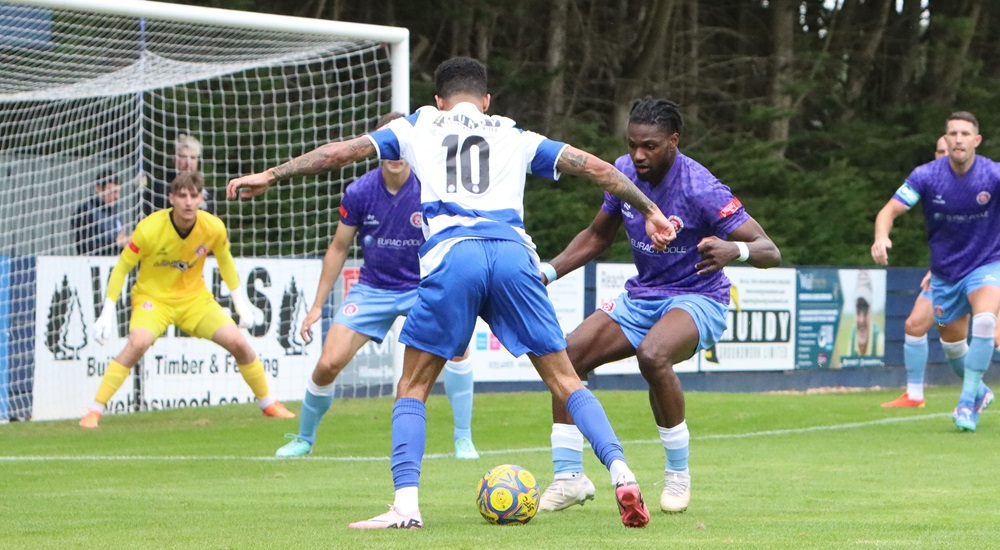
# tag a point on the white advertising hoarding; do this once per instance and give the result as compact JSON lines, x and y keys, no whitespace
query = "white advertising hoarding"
{"x":178,"y":370}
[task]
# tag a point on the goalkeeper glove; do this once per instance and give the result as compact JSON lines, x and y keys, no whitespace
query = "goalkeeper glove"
{"x":243,"y":310}
{"x":105,"y":324}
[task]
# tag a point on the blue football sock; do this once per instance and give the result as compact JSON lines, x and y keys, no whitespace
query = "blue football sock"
{"x":458,"y":386}
{"x":409,"y":436}
{"x":313,"y":408}
{"x":958,"y":366}
{"x":977,"y":361}
{"x":589,"y":416}
{"x":915,"y":358}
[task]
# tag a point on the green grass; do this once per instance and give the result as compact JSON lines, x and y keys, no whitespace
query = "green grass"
{"x":769,"y":471}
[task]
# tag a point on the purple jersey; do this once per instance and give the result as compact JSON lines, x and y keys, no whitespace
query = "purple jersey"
{"x":961,"y":218}
{"x":389,"y":230}
{"x":699,"y":206}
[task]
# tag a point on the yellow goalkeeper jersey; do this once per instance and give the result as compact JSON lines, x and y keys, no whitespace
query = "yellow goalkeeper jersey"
{"x":170,"y":266}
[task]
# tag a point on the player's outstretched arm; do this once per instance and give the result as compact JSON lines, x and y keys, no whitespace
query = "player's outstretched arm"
{"x":333,"y":263}
{"x":581,"y":163}
{"x":883,"y":225}
{"x":318,"y":161}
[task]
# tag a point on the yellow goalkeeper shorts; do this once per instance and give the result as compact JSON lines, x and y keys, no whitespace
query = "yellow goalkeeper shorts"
{"x":198,"y":316}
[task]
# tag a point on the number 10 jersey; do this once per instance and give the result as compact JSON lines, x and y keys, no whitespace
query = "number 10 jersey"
{"x":472,"y":168}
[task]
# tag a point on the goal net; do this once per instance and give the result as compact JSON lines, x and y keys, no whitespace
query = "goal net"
{"x":97,"y":91}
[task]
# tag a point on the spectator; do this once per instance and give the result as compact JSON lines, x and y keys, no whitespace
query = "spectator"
{"x":187,"y":154}
{"x":97,"y":224}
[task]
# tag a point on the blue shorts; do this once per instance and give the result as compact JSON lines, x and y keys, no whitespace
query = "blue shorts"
{"x":951,"y":300}
{"x":493,"y":279}
{"x":927,"y":295}
{"x":372,"y":311}
{"x":636,"y":317}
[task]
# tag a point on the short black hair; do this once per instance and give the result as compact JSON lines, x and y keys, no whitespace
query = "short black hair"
{"x":966,"y":116}
{"x":662,"y":113}
{"x":190,"y":180}
{"x":460,"y":75}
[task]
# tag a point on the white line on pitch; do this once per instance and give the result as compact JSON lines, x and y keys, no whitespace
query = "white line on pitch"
{"x":765,"y":433}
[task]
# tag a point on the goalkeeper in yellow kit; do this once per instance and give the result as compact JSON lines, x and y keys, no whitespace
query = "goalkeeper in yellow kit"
{"x":170,"y":247}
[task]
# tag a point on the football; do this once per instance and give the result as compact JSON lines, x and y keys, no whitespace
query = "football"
{"x":508,"y":494}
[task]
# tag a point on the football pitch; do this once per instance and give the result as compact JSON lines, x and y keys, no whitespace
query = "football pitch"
{"x":768,"y":471}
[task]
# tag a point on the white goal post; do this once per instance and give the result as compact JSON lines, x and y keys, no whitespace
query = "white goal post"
{"x":99,"y":90}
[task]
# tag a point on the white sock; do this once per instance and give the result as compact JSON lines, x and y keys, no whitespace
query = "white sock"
{"x":619,"y":470}
{"x":265,"y":402}
{"x":406,"y":500}
{"x":915,"y":391}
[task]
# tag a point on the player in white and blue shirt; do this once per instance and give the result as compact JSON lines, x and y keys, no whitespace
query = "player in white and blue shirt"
{"x":381,"y":209}
{"x":676,"y":305}
{"x":477,"y":261}
{"x":962,"y":218}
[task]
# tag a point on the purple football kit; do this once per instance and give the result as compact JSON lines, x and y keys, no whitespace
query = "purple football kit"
{"x":699,"y":206}
{"x":390,"y":232}
{"x":962,"y":219}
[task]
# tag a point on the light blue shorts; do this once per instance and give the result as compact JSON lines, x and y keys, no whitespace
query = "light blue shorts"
{"x":636,"y":317}
{"x":372,"y":311}
{"x":927,"y":295}
{"x":951,"y":300}
{"x":493,"y":279}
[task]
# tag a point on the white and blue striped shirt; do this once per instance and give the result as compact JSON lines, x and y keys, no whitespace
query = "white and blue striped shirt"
{"x":472,"y":170}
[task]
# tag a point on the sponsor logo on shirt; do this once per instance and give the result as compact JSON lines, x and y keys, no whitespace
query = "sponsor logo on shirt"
{"x":677,"y":222}
{"x":398,"y":243}
{"x":648,"y":248}
{"x":417,"y":219}
{"x":938,"y":199}
{"x":627,"y":210}
{"x":983,"y":197}
{"x":370,"y":219}
{"x":731,"y":208}
{"x":176,"y":264}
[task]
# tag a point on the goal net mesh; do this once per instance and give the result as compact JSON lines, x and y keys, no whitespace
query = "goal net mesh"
{"x":85,"y":96}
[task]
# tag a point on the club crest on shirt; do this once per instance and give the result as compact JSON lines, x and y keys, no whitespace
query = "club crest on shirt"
{"x":201,"y":252}
{"x":417,"y":219}
{"x":350,"y":309}
{"x":677,"y":222}
{"x":983,"y":197}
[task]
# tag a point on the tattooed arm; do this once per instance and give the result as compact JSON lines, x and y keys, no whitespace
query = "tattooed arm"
{"x":581,"y":163}
{"x":321,"y":160}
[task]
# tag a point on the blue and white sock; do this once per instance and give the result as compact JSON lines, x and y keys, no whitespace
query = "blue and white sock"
{"x":915,"y":358}
{"x":955,"y":353}
{"x":458,"y":386}
{"x":590,"y":418}
{"x":567,"y":451}
{"x":315,"y":404}
{"x":675,"y":442}
{"x":977,"y":361}
{"x":409,"y":437}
